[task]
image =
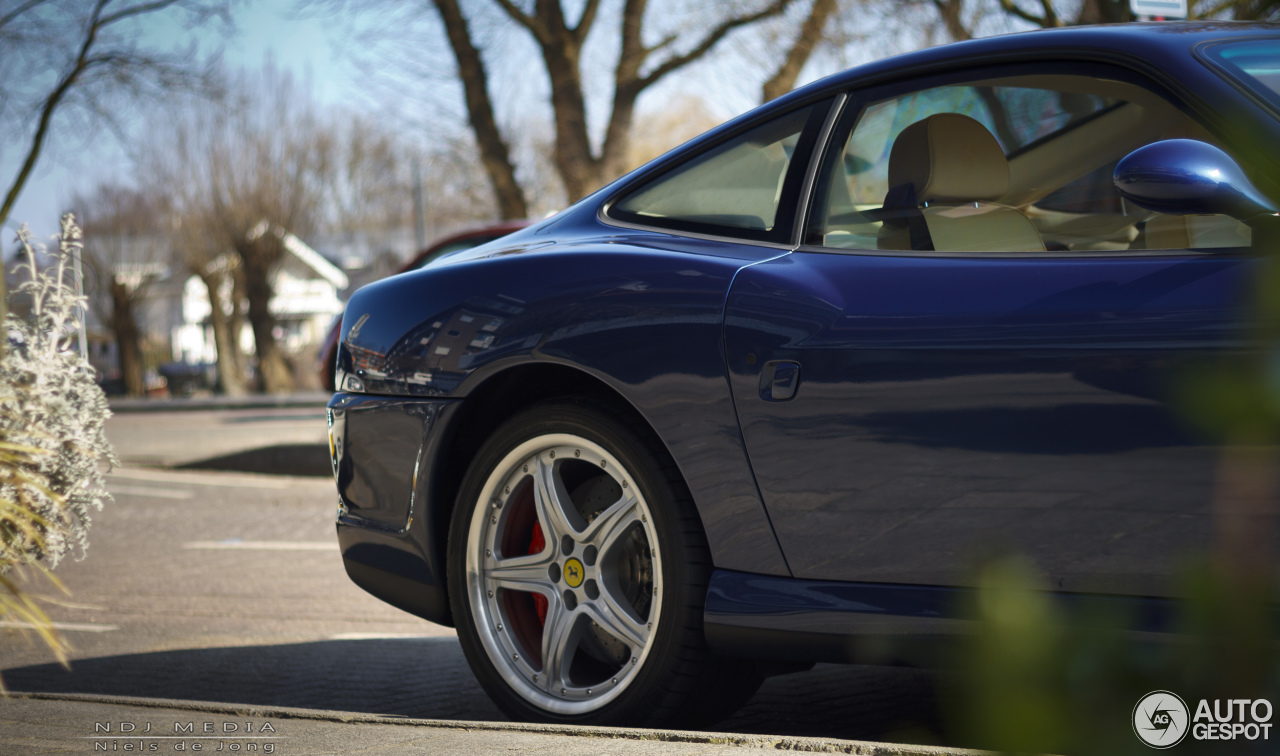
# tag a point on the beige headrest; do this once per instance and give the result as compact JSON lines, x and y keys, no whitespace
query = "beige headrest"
{"x":949,"y":158}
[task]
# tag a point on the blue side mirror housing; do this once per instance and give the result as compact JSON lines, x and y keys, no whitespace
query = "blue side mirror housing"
{"x":1189,"y":177}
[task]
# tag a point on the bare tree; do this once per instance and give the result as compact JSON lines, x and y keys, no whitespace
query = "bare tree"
{"x":198,"y":245}
{"x":268,"y":167}
{"x":249,"y":172}
{"x":125,"y":252}
{"x":641,"y":64}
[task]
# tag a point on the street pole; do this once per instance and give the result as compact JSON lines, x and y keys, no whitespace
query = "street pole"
{"x":419,"y":219}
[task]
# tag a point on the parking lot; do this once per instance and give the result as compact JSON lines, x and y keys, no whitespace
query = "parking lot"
{"x":228,"y":587}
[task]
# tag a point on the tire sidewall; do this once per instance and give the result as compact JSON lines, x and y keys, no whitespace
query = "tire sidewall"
{"x":664,"y":497}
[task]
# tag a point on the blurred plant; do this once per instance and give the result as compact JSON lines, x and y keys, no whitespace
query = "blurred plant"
{"x":52,"y":438}
{"x":1043,"y":676}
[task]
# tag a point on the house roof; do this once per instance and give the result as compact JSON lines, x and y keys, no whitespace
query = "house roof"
{"x":302,"y":253}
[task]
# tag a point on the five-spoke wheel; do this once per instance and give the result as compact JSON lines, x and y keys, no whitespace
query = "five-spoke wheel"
{"x":578,"y":572}
{"x":562,"y":573}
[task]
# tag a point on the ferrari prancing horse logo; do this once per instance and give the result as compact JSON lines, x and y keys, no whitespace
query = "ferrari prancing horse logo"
{"x":573,"y":573}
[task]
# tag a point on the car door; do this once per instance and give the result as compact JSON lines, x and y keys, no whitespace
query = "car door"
{"x":923,"y":384}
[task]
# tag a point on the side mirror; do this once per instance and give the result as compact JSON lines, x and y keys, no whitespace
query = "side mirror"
{"x":1189,"y":177}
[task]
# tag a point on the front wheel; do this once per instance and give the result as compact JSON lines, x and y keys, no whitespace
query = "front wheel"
{"x":578,"y":572}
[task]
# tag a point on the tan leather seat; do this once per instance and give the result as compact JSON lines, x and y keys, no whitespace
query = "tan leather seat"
{"x":945,"y":174}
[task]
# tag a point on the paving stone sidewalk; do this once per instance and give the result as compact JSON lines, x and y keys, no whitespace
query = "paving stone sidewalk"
{"x":61,"y":725}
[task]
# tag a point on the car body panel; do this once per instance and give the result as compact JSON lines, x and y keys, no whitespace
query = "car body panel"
{"x":328,"y":352}
{"x":950,"y":405}
{"x":384,"y":454}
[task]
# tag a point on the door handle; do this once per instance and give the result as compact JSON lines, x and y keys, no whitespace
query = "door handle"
{"x":779,"y":380}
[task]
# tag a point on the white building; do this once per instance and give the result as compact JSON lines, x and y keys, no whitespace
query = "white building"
{"x":305,"y":302}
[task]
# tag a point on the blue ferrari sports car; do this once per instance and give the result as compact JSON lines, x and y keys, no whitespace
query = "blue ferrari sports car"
{"x":763,"y":401}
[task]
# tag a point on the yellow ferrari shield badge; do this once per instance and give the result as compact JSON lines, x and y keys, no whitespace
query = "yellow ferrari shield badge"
{"x":573,"y":573}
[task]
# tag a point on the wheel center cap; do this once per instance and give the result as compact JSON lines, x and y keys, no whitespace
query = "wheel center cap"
{"x":573,"y":572}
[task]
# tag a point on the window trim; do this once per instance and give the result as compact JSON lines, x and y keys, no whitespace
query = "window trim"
{"x":1032,"y":255}
{"x":1269,"y":102}
{"x":791,"y":204}
{"x":860,"y":99}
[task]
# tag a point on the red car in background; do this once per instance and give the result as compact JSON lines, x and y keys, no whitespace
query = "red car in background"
{"x":465,"y":240}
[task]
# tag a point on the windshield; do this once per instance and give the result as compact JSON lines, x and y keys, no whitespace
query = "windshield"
{"x":1253,"y":62}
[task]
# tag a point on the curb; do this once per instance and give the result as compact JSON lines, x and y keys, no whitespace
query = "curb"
{"x":258,"y":401}
{"x":780,"y":743}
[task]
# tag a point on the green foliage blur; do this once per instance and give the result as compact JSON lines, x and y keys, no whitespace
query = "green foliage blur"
{"x":1040,"y":675}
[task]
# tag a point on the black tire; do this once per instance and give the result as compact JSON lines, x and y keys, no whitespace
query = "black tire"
{"x":673,"y":680}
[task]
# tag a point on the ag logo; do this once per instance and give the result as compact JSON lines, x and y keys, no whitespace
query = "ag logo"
{"x":1160,"y":719}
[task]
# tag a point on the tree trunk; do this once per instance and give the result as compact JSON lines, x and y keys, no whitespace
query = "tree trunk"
{"x":124,"y":324}
{"x":4,"y":307}
{"x":811,"y":33}
{"x":1104,"y":12}
{"x":494,"y":153}
{"x":236,"y":322}
{"x":577,"y":166}
{"x":275,"y":373}
{"x":229,"y":376}
{"x":952,"y":14}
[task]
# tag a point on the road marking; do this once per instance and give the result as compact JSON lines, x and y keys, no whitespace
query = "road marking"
{"x":376,"y":636}
{"x":158,"y":493}
{"x":236,"y":543}
{"x":230,"y":480}
{"x":70,"y":627}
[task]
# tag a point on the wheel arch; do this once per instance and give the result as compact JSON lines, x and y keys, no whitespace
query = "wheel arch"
{"x":491,"y":402}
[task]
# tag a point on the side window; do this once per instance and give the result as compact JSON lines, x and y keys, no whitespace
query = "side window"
{"x":746,"y":187}
{"x":1013,"y":164}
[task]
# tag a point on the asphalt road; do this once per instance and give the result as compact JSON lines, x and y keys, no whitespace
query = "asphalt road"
{"x":216,"y":586}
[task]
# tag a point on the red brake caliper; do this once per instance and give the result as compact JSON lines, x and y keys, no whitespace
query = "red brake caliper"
{"x":536,"y":545}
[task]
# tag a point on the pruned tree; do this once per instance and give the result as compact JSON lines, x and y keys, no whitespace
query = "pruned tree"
{"x":125,"y":252}
{"x":267,"y":164}
{"x":249,"y":171}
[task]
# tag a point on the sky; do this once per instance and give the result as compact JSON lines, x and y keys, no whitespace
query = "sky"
{"x":326,"y":51}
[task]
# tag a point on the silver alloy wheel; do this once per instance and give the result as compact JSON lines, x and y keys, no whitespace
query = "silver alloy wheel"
{"x":599,"y":572}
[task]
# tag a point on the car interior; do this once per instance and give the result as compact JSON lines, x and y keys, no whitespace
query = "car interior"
{"x":1014,"y":164}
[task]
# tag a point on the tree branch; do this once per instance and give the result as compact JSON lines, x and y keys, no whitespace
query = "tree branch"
{"x":1213,"y":9}
{"x":663,"y":43}
{"x":1050,"y":15}
{"x":535,"y":27}
{"x":136,"y":10}
{"x":11,"y":15}
{"x":1010,"y":6}
{"x":51,"y":104}
{"x":713,"y":37}
{"x":784,"y":79}
{"x":585,"y":21}
{"x":494,"y":152}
